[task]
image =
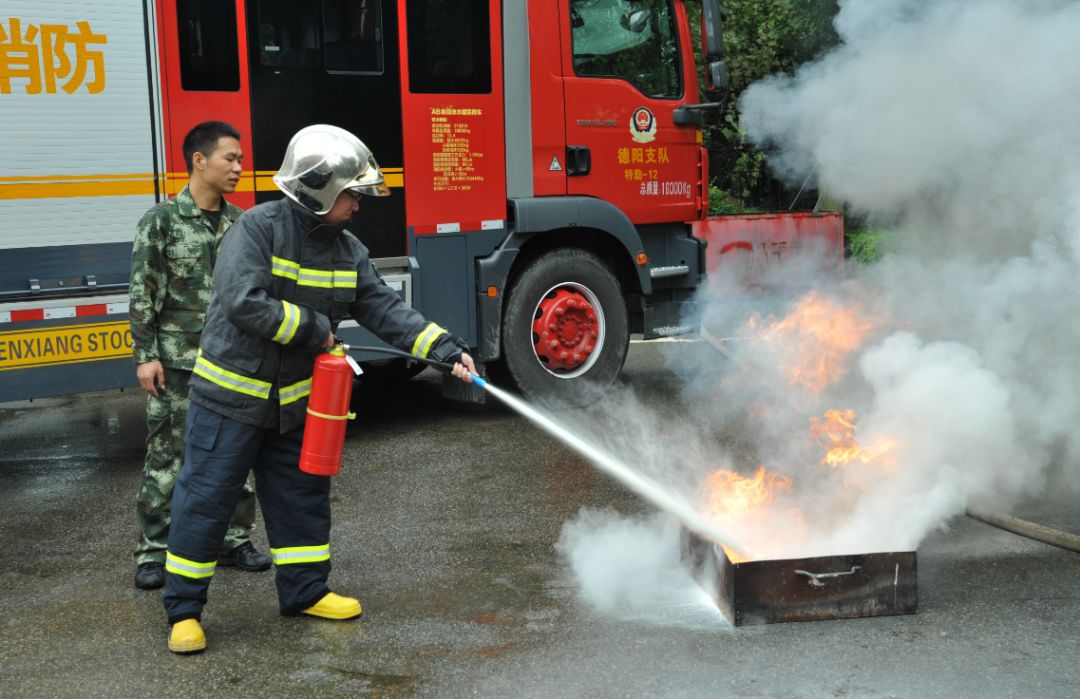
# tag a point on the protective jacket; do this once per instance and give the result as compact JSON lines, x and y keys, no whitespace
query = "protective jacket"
{"x":172,"y":262}
{"x":283,"y":280}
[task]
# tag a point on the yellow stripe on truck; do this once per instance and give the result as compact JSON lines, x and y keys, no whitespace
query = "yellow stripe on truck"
{"x":59,"y":190}
{"x":100,"y":185}
{"x":65,"y":344}
{"x":135,"y":184}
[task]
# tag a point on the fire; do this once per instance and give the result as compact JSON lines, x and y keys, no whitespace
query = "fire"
{"x":734,"y":556}
{"x":731,"y":496}
{"x":836,"y":432}
{"x":748,"y":503}
{"x":812,"y":348}
{"x":816,"y":338}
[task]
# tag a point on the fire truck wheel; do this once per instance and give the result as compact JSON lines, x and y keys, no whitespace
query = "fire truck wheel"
{"x":565,"y":329}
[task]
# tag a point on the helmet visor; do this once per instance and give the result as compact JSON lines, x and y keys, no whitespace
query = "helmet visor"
{"x":373,"y":190}
{"x":370,"y":180}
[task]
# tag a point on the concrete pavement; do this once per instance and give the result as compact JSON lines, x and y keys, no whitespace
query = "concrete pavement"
{"x":446,"y":519}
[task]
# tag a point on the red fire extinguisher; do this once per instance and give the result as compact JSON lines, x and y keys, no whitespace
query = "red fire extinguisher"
{"x":328,"y":413}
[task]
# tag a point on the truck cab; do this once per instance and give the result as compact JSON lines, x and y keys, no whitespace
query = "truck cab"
{"x":544,"y":159}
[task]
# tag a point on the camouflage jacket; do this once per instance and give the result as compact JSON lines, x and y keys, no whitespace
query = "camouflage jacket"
{"x":172,"y":265}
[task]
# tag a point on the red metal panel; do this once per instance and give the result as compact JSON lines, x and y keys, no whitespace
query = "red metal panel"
{"x":548,"y":108}
{"x":96,"y":309}
{"x":440,"y":127}
{"x":184,"y":109}
{"x":743,"y":244}
{"x":29,"y":314}
{"x":652,"y":180}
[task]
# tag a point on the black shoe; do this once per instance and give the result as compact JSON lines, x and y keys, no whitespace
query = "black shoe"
{"x":245,"y":557}
{"x":150,"y":576}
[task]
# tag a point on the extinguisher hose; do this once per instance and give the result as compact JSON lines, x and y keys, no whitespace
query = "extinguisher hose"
{"x":445,"y":366}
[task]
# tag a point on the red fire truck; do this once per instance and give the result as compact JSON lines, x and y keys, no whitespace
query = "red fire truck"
{"x":544,"y":156}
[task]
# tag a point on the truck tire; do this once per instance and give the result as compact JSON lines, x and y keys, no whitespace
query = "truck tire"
{"x":565,"y":329}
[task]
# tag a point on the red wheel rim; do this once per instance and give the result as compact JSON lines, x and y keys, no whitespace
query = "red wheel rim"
{"x":567,"y":330}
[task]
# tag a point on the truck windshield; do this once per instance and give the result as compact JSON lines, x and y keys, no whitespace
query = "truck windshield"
{"x":633,"y":41}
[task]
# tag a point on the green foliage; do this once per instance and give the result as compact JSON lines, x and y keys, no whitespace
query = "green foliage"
{"x":721,"y":203}
{"x":761,"y":38}
{"x":868,"y":245}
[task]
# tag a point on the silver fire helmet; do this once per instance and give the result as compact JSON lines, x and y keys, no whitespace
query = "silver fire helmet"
{"x":321,"y":162}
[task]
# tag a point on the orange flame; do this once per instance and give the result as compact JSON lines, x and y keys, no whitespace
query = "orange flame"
{"x":731,"y":496}
{"x":836,"y":432}
{"x":733,"y":555}
{"x":816,"y":339}
{"x":748,"y":502}
{"x":814,"y":345}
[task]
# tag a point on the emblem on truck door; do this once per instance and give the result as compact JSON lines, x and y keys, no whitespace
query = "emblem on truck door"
{"x":643,"y":125}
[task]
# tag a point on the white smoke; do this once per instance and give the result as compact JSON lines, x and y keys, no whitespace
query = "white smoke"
{"x":961,"y":120}
{"x":629,"y":568}
{"x":953,"y":114}
{"x":957,"y":122}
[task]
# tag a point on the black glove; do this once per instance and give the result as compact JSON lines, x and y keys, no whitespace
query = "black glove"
{"x":454,"y":350}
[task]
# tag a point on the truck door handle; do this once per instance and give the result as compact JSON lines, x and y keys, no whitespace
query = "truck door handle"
{"x":578,"y":161}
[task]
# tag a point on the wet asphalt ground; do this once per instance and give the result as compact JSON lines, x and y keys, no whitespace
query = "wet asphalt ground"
{"x":445,"y":523}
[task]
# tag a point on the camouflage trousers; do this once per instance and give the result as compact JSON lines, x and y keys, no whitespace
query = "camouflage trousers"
{"x":165,"y":418}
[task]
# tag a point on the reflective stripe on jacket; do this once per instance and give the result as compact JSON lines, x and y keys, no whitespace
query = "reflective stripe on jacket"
{"x":282,"y":281}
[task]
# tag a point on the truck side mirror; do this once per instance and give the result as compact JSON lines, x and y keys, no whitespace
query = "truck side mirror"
{"x":712,"y":29}
{"x":712,"y":42}
{"x":716,"y":81}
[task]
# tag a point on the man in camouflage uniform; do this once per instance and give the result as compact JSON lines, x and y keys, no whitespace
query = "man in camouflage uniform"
{"x":171,"y":278}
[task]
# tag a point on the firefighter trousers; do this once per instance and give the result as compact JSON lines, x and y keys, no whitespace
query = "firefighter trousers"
{"x":166,"y":416}
{"x":295,"y":505}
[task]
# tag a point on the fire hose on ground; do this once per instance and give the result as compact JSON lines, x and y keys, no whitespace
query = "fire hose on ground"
{"x":1031,"y":530}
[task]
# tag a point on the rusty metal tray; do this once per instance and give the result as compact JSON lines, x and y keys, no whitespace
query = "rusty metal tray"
{"x":803,"y":589}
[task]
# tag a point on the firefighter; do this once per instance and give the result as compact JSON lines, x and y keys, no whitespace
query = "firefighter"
{"x":286,"y":275}
{"x":171,"y":275}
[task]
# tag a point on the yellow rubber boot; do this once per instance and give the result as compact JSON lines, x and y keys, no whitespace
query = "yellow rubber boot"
{"x":187,"y":637}
{"x":335,"y":607}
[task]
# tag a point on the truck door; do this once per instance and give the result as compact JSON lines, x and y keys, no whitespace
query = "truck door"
{"x":626,"y":70}
{"x":203,"y":78}
{"x":332,"y":62}
{"x":455,"y":151}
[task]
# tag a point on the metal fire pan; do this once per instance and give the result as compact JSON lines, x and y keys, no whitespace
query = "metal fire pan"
{"x":803,"y":589}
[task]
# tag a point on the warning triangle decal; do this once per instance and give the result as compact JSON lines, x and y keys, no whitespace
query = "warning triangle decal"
{"x":555,"y":166}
